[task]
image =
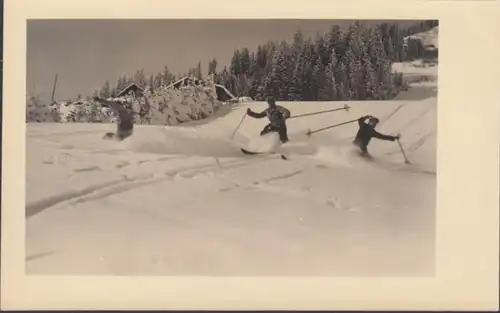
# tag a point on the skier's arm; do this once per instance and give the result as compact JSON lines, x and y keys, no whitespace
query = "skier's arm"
{"x":285,"y":112}
{"x":256,"y":115}
{"x":122,"y":112}
{"x":104,"y":102}
{"x":384,"y":137}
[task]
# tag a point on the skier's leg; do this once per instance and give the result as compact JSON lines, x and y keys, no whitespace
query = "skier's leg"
{"x":125,"y":125}
{"x":365,"y":153}
{"x":283,"y":133}
{"x":124,"y":130}
{"x":266,"y":129}
{"x":363,"y":149}
{"x":123,"y":134}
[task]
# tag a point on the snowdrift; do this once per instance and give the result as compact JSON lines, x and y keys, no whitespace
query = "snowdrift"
{"x":183,"y":200}
{"x":165,"y":106}
{"x":177,"y":106}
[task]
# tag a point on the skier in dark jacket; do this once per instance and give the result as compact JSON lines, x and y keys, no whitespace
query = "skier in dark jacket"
{"x":125,"y":123}
{"x":277,"y":116}
{"x":367,"y":131}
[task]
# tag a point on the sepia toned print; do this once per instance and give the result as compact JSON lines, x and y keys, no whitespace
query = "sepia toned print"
{"x":248,"y":148}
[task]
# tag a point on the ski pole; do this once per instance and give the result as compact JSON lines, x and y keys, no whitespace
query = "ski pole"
{"x":309,"y":133}
{"x":346,"y":107}
{"x":402,"y":151}
{"x":238,"y":127}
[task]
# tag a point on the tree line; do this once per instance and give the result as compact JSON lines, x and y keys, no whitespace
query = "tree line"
{"x":351,"y":64}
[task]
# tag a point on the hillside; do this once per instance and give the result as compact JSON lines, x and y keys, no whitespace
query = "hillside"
{"x":183,"y":200}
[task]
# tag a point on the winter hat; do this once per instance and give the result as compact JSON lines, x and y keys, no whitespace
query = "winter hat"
{"x":270,"y":99}
{"x":373,"y":120}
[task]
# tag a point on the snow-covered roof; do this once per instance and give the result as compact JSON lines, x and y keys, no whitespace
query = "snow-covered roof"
{"x":183,"y":79}
{"x":126,"y":88}
{"x":226,"y":90}
{"x":176,"y":82}
{"x":216,"y":85}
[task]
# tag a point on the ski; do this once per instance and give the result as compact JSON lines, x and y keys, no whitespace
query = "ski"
{"x":283,"y":157}
{"x":251,"y":152}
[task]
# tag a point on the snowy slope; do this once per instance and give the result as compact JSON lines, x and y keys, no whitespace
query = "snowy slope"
{"x":430,"y":37}
{"x":183,"y":200}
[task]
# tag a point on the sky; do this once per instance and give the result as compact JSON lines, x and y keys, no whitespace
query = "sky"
{"x":86,"y":53}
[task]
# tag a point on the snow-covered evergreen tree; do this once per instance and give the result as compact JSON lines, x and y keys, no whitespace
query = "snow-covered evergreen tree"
{"x":105,"y":90}
{"x":40,"y":112}
{"x":331,"y":87}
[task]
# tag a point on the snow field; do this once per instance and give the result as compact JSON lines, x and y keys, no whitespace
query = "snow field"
{"x":183,"y":200}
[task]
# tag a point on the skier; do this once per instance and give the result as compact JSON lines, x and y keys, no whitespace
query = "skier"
{"x":367,"y":131}
{"x":125,"y":123}
{"x":277,"y":116}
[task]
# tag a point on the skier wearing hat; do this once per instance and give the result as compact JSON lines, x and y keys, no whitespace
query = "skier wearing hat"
{"x":367,"y":131}
{"x":277,"y":116}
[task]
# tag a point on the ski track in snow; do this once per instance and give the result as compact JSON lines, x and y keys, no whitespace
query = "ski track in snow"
{"x":34,"y":134}
{"x":426,"y":110}
{"x":100,"y":191}
{"x":412,"y":147}
{"x":388,"y":117}
{"x":264,"y":186}
{"x":40,"y":205}
{"x":321,"y":172}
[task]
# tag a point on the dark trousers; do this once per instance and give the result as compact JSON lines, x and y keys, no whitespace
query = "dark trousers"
{"x":124,"y":129}
{"x":123,"y":134}
{"x":119,"y":135}
{"x":363,"y":148}
{"x":280,"y":129}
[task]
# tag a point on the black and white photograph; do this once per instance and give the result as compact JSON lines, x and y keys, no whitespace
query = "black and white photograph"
{"x":231,"y":147}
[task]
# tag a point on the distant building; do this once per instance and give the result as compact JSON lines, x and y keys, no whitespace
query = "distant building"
{"x":431,"y":52}
{"x":425,"y":43}
{"x":137,"y":91}
{"x":185,"y":81}
{"x":223,"y":94}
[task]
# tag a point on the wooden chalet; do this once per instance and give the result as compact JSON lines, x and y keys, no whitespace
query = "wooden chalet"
{"x":137,"y":91}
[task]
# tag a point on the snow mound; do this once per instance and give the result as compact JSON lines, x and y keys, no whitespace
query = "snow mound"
{"x":244,"y":99}
{"x":415,"y":120}
{"x":181,"y":141}
{"x":164,"y":106}
{"x":169,"y":106}
{"x":184,"y":200}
